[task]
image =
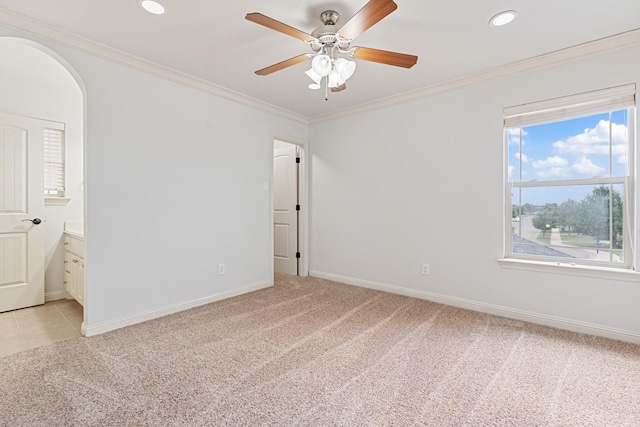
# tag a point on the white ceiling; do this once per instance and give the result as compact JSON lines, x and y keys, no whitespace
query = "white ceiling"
{"x":211,"y":40}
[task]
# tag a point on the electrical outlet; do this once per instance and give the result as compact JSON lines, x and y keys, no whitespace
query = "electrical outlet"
{"x":425,"y":269}
{"x":220,"y":269}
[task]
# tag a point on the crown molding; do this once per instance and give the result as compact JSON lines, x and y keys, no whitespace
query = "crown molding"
{"x":22,"y":23}
{"x":596,"y":47}
{"x":30,"y":26}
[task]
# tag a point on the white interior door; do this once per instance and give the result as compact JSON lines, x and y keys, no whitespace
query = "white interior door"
{"x":285,"y":216}
{"x":21,"y":209}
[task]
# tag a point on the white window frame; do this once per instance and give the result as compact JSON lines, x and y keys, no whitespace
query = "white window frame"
{"x":60,"y":198}
{"x":560,"y":109}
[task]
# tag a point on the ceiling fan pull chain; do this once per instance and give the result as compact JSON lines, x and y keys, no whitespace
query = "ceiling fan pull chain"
{"x":326,"y":88}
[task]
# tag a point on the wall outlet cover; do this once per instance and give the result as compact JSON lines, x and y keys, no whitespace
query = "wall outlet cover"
{"x":425,"y":269}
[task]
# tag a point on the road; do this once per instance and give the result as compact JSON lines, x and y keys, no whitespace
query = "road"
{"x":525,"y":228}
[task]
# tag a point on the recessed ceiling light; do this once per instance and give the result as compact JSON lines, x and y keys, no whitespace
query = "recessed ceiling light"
{"x":314,"y":86}
{"x":503,"y":18}
{"x":152,"y":6}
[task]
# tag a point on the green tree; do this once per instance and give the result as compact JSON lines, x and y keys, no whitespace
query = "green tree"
{"x":546,"y":217}
{"x":568,"y":215}
{"x":594,"y":216}
{"x":528,"y":209}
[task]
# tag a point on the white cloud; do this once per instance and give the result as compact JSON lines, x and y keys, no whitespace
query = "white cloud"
{"x":522,"y":157}
{"x":553,"y":172}
{"x":554,"y":161}
{"x":595,"y":140}
{"x":514,"y":136}
{"x":622,"y":160}
{"x":585,"y":166}
{"x":555,"y":166}
{"x":510,"y":172}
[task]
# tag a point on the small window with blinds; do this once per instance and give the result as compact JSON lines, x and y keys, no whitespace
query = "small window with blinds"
{"x":569,"y":179}
{"x":54,"y":173}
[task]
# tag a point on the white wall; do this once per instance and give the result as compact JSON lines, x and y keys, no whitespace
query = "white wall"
{"x":174,"y":184}
{"x":37,"y":93}
{"x":422,"y":182}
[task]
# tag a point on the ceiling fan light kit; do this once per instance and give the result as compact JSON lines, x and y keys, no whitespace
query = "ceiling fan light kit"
{"x":345,"y":67}
{"x":321,"y":65}
{"x":328,"y":44}
{"x":313,"y":76}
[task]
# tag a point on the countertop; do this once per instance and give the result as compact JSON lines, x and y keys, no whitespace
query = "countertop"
{"x":74,"y":234}
{"x":74,"y":229}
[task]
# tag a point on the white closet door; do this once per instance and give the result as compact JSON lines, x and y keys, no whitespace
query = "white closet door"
{"x":285,"y":218}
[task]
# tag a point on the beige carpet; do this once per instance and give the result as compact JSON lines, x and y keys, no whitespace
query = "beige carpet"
{"x":310,"y":352}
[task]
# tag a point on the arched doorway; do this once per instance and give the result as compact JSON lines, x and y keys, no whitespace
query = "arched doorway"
{"x":37,"y":83}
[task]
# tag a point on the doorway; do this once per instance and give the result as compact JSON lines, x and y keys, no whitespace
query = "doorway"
{"x":38,"y":83}
{"x":289,"y":209}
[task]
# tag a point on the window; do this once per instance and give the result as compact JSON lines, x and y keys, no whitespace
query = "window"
{"x":569,"y":179}
{"x":54,"y":163}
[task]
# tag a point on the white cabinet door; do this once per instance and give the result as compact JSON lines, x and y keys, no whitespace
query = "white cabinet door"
{"x":80,"y":281}
{"x":74,"y":268}
{"x":68,"y":278}
{"x":285,"y":217}
{"x":21,"y":201}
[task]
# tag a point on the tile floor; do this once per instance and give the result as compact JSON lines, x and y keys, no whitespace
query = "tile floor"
{"x":38,"y":326}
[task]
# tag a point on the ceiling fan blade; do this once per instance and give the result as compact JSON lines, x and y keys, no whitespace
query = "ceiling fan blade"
{"x":385,"y":57}
{"x":284,"y":64}
{"x":366,"y":17}
{"x":340,"y":88}
{"x":261,"y":19}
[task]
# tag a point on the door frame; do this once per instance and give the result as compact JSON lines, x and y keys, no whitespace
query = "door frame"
{"x":303,"y":220}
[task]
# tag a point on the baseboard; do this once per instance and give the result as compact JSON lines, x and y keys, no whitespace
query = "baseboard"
{"x":527,"y":316}
{"x":101,"y":328}
{"x":54,"y":296}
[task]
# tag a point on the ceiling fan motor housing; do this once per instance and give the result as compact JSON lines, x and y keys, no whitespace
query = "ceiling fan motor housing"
{"x":329,"y":17}
{"x":327,"y":36}
{"x":327,"y":33}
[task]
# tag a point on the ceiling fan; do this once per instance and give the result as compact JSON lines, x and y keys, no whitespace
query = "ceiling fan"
{"x":328,"y":42}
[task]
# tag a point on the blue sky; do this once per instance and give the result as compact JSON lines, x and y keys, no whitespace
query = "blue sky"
{"x":571,"y":149}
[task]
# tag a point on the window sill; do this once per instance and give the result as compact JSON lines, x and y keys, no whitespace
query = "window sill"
{"x":56,"y":201}
{"x":571,"y":270}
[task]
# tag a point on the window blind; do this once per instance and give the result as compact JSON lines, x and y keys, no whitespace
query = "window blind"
{"x":599,"y":101}
{"x":54,"y":163}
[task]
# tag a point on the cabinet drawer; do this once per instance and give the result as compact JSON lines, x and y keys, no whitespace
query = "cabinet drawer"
{"x":76,"y":247}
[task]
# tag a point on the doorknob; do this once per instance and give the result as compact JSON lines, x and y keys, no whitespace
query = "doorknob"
{"x":36,"y":221}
